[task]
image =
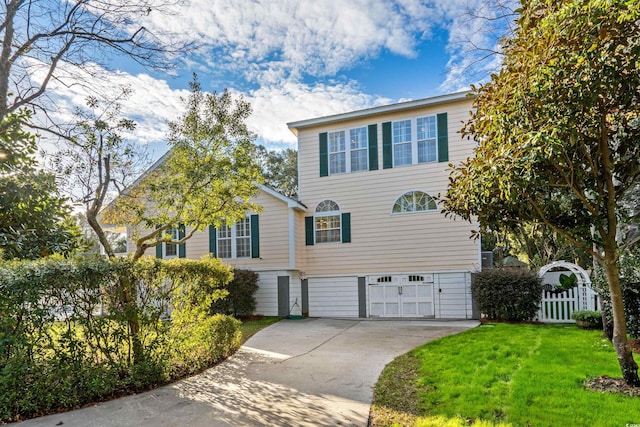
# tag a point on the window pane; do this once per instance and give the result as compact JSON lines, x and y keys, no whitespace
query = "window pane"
{"x":328,"y":229}
{"x":426,"y":127}
{"x":402,"y":131}
{"x":170,"y":250}
{"x":414,"y":201}
{"x":358,"y":138}
{"x":337,"y":163}
{"x":402,"y":154}
{"x":243,"y":238}
{"x":243,"y":247}
{"x":242,"y":228}
{"x":427,"y":151}
{"x":224,"y":241}
{"x":224,"y":248}
{"x":336,"y":141}
{"x":327,"y":206}
{"x":359,"y":160}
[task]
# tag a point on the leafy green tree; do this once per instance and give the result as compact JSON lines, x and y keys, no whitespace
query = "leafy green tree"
{"x":557,"y":131}
{"x":34,"y":218}
{"x":280,"y":170}
{"x":206,"y":178}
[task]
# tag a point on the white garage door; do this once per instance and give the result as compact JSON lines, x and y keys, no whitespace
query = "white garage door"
{"x":333,"y":297}
{"x":401,"y":295}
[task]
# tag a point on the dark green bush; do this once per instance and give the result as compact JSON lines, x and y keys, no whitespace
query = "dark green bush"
{"x":241,"y":300}
{"x":512,"y":295}
{"x":65,"y":328}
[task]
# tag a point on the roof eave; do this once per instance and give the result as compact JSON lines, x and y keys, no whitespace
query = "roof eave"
{"x":375,"y":111}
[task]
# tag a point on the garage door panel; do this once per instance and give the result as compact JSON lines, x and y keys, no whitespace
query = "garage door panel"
{"x":408,"y":295}
{"x":333,"y":297}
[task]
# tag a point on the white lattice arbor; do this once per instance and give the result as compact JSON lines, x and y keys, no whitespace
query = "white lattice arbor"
{"x":557,"y":304}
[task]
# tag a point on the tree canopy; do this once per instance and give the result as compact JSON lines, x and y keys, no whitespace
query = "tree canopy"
{"x":34,"y":218}
{"x":557,"y":131}
{"x":207,"y":177}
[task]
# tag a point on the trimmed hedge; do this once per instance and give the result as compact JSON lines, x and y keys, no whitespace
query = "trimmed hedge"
{"x":510,"y":295}
{"x":65,"y":328}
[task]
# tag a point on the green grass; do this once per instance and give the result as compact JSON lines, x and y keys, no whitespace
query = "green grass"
{"x":251,"y":327}
{"x":518,"y":375}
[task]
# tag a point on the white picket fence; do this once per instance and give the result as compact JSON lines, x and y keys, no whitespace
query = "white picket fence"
{"x":557,"y":307}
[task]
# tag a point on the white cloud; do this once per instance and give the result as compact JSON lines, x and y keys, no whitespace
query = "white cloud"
{"x":274,"y":107}
{"x":269,"y":41}
{"x":475,"y":27}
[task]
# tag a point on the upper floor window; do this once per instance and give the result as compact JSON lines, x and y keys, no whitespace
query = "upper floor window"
{"x":235,"y":241}
{"x":414,"y":201}
{"x":337,"y":155}
{"x":348,"y":157}
{"x":415,"y":139}
{"x":327,"y":218}
{"x":402,"y":143}
{"x":359,"y":152}
{"x":171,"y":249}
{"x":427,"y":139}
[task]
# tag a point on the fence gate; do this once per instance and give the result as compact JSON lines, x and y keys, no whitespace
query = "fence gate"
{"x":558,"y":304}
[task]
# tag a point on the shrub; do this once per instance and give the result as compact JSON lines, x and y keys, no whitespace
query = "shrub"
{"x":507,"y":294}
{"x":241,"y":300}
{"x":590,"y":317}
{"x":58,"y":351}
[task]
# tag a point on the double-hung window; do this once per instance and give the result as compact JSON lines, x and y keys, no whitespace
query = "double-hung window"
{"x":427,"y":139}
{"x":171,"y":249}
{"x":327,"y":222}
{"x":359,"y":152}
{"x":402,"y":150}
{"x":348,"y":156}
{"x":235,"y":241}
{"x":337,"y":152}
{"x":415,"y":141}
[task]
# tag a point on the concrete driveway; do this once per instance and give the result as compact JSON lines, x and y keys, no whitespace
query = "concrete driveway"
{"x":312,"y":372}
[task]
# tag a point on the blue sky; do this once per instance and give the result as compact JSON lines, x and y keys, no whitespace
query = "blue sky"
{"x":298,"y":59}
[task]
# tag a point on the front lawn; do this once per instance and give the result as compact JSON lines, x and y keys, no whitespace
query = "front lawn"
{"x":502,"y":374}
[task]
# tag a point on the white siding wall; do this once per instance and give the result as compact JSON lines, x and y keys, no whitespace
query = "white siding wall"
{"x":333,"y":297}
{"x":274,"y":238}
{"x":267,"y":294}
{"x":453,"y":295}
{"x":379,"y":240}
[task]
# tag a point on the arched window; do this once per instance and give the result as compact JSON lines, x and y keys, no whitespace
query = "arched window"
{"x":414,"y":201}
{"x":327,"y":222}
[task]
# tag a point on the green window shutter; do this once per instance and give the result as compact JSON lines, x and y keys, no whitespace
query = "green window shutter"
{"x":387,"y":146}
{"x":159,"y":246}
{"x":255,"y":237}
{"x":346,"y":228}
{"x":213,"y":242}
{"x":443,"y":138}
{"x":308,"y":230}
{"x":182,"y":248}
{"x":324,"y":155}
{"x":373,"y":147}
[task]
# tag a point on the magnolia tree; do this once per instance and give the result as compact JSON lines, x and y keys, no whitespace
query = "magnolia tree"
{"x":557,"y":131}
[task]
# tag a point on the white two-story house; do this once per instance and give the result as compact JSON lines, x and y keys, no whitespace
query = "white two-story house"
{"x":366,"y":237}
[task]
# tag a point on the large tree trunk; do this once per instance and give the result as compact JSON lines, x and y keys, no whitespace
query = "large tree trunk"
{"x":620,"y":343}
